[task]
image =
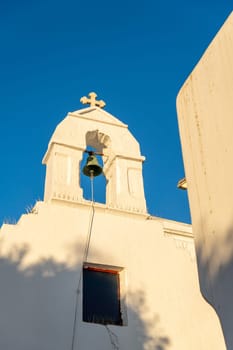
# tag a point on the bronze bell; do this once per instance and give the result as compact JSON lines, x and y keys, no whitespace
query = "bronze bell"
{"x":92,"y":167}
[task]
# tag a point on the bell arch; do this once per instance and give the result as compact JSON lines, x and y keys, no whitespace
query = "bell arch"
{"x":122,"y":160}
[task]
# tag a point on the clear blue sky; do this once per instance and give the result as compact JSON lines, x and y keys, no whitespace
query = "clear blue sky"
{"x":134,"y":54}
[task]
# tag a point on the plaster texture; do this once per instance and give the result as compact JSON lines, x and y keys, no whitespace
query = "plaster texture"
{"x":43,"y":254}
{"x":205,"y":109}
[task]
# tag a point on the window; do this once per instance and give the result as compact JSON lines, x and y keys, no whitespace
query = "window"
{"x":101,"y":294}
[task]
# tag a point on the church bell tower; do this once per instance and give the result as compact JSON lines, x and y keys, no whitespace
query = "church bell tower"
{"x":94,"y":127}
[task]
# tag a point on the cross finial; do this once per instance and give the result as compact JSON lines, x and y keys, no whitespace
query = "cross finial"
{"x":92,"y":100}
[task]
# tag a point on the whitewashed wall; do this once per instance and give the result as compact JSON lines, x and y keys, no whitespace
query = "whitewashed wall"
{"x":205,"y":113}
{"x":40,"y":267}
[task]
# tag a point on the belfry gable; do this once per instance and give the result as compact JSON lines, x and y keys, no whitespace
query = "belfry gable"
{"x":122,"y":160}
{"x":98,"y":115}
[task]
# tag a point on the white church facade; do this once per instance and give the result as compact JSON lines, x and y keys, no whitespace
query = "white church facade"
{"x":77,"y":274}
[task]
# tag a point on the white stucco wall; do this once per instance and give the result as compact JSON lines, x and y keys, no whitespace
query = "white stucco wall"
{"x":205,"y":114}
{"x":41,"y":258}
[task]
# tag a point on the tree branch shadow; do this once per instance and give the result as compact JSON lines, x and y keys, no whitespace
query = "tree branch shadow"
{"x":215,"y":267}
{"x":37,"y":309}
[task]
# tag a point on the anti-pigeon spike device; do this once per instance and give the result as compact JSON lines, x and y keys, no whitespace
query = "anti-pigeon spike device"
{"x":92,"y":167}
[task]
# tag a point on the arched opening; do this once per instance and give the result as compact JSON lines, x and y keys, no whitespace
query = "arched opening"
{"x":99,"y":182}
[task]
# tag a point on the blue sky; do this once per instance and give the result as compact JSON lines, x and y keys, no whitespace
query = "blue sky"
{"x":134,"y":54}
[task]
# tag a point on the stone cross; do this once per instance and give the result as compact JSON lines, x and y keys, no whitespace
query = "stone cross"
{"x":92,"y":100}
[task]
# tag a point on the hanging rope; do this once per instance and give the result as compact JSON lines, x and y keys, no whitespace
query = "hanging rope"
{"x":112,"y":336}
{"x":85,"y":256}
{"x":74,"y":333}
{"x":92,"y":212}
{"x":113,"y":339}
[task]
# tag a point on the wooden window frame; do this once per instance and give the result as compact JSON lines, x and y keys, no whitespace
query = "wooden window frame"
{"x":121,"y":297}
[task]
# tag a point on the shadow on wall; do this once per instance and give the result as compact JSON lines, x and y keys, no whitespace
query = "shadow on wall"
{"x":37,"y":312}
{"x":149,"y":333}
{"x":215,"y":265}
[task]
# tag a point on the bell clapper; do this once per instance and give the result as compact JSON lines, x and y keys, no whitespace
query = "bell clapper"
{"x":92,"y":185}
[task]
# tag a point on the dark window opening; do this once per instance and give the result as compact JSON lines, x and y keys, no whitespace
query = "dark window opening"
{"x":101,"y":296}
